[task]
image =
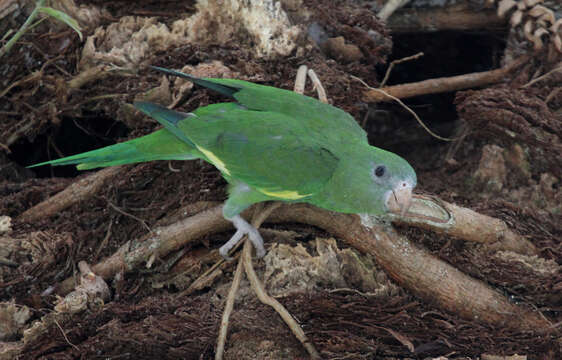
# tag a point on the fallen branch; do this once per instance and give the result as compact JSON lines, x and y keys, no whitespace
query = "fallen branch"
{"x":160,"y":242}
{"x":414,"y":269}
{"x":441,"y":217}
{"x":417,"y":270}
{"x":80,"y":190}
{"x":396,"y":62}
{"x":440,"y":85}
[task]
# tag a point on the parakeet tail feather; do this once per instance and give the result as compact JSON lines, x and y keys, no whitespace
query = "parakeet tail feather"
{"x":160,"y":145}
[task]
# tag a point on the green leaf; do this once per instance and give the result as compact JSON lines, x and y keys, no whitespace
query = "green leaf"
{"x":61,"y":16}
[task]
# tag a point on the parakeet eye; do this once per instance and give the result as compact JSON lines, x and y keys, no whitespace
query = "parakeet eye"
{"x":380,"y":170}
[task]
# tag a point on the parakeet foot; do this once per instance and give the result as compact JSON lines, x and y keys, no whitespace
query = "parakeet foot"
{"x":243,"y":228}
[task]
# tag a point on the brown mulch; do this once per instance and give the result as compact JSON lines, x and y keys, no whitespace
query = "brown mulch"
{"x":146,"y":321}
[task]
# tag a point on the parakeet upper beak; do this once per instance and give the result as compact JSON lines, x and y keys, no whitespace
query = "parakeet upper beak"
{"x":400,"y":199}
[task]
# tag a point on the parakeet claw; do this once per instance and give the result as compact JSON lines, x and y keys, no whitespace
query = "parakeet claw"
{"x":243,"y":228}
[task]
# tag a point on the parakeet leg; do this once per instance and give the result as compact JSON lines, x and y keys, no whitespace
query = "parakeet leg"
{"x":241,"y":197}
{"x":230,"y":244}
{"x":243,"y":228}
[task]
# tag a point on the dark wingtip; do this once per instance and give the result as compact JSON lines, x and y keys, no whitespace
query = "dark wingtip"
{"x":208,"y":83}
{"x":174,"y":73}
{"x":143,"y":106}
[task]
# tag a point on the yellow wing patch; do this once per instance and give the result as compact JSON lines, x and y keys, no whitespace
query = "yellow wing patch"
{"x":214,"y":159}
{"x":286,"y":194}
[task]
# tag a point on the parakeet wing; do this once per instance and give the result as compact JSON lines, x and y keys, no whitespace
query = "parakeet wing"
{"x":269,"y":151}
{"x":315,"y":115}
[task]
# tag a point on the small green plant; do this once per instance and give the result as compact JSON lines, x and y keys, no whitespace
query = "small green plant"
{"x":28,"y":24}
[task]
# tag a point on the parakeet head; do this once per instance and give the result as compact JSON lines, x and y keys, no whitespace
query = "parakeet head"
{"x":369,"y":180}
{"x":396,"y":179}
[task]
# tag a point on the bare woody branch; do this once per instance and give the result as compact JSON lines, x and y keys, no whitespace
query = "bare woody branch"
{"x":160,"y":242}
{"x":418,"y":271}
{"x":415,"y":269}
{"x":440,"y":85}
{"x":433,"y":214}
{"x":80,"y":190}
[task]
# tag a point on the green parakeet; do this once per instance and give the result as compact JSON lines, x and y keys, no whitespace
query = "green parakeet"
{"x":270,"y":144}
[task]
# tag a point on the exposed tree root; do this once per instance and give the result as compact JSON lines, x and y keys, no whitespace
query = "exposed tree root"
{"x":441,"y":217}
{"x":228,"y":306}
{"x":413,"y":268}
{"x":417,"y":270}
{"x":444,"y":84}
{"x":80,"y":190}
{"x":264,"y":297}
{"x":260,"y":214}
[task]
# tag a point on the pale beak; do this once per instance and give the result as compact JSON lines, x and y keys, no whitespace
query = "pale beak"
{"x":400,"y":199}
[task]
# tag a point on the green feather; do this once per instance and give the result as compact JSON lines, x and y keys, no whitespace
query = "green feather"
{"x":259,"y":148}
{"x":160,"y":145}
{"x":208,"y":83}
{"x":166,"y":117}
{"x":271,"y":144}
{"x":316,"y":116}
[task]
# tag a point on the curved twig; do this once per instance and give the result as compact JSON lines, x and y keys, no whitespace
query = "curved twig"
{"x":259,"y":289}
{"x":228,"y":307}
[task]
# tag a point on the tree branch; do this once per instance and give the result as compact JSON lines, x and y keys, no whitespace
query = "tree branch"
{"x":415,"y":269}
{"x":440,"y":85}
{"x":433,"y":214}
{"x":80,"y":190}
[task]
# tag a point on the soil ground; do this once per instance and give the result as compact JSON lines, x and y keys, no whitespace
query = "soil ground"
{"x":147,"y":316}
